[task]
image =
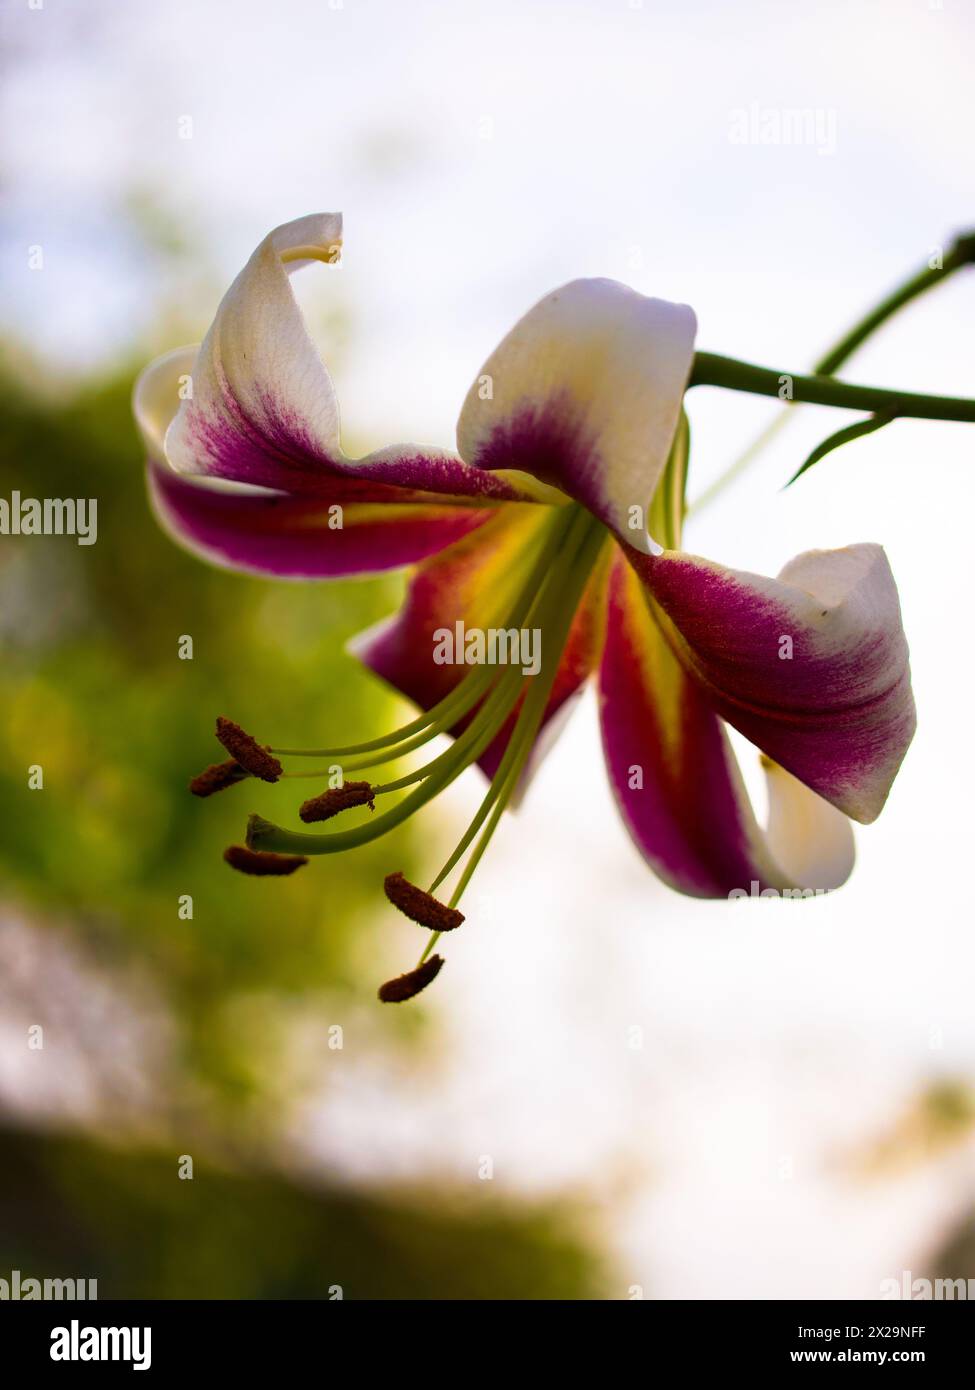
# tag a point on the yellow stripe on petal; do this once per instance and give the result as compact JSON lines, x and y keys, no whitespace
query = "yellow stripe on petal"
{"x":677,"y":782}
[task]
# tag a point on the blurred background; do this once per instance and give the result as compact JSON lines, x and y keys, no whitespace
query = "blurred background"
{"x":614,"y":1092}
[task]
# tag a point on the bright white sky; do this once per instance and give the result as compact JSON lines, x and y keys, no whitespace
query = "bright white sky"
{"x":483,"y":153}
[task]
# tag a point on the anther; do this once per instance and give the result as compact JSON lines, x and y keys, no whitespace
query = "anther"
{"x":216,"y":777}
{"x":422,"y":908}
{"x":251,"y":755}
{"x":261,"y":862}
{"x":337,"y":799}
{"x":406,"y":986}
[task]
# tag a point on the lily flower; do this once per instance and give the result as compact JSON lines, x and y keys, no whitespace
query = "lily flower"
{"x":559,"y":515}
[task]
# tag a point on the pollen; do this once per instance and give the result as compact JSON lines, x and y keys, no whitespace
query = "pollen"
{"x":261,"y":862}
{"x":422,"y":908}
{"x":252,"y":756}
{"x":406,"y":986}
{"x":337,"y":799}
{"x":216,"y":777}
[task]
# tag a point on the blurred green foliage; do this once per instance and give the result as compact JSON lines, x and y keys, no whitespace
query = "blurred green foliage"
{"x":75,"y":1210}
{"x":93,"y":690}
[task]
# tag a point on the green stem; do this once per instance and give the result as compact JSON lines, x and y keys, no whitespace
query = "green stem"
{"x":961,"y":253}
{"x":712,"y":370}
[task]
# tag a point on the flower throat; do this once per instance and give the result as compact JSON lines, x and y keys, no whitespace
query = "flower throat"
{"x":487,"y":700}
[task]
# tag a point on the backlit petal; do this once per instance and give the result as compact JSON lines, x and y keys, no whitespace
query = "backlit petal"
{"x":258,"y":406}
{"x":584,"y":394}
{"x":812,"y":667}
{"x":346,"y":525}
{"x":677,"y":781}
{"x":262,"y":532}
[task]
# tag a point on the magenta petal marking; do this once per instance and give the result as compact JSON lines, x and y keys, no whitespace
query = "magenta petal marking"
{"x":289,"y":537}
{"x":677,"y":787}
{"x":279,"y":453}
{"x":812,"y":667}
{"x":551,"y":443}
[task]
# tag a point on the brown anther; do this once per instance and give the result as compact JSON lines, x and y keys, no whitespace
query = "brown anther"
{"x":252,"y":756}
{"x":261,"y":862}
{"x":337,"y":799}
{"x":422,"y":908}
{"x":405,"y":986}
{"x":216,"y":777}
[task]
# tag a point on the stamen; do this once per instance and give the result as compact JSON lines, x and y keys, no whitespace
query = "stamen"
{"x":251,"y":755}
{"x":406,"y":986}
{"x":216,"y":777}
{"x":485,"y":700}
{"x":473,"y":688}
{"x":422,"y":908}
{"x":337,"y":799}
{"x":438,"y":774}
{"x":261,"y":863}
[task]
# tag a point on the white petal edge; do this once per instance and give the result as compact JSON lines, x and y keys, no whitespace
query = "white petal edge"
{"x":600,"y":369}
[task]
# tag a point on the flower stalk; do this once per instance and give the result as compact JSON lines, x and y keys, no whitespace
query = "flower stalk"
{"x":960,"y":254}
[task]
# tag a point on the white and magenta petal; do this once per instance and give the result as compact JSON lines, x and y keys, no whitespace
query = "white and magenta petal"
{"x":347,"y":527}
{"x":812,"y":667}
{"x":256,"y":405}
{"x":677,"y":782}
{"x":261,"y":532}
{"x":584,"y":394}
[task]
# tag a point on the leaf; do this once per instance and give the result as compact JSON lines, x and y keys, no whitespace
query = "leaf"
{"x":843,"y":436}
